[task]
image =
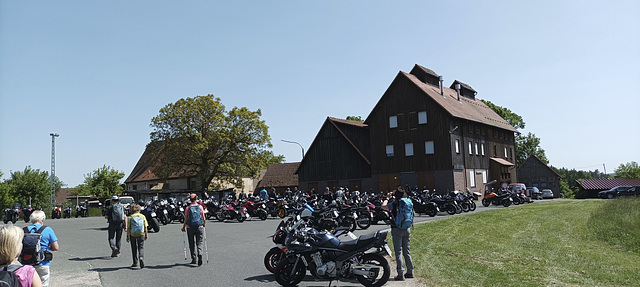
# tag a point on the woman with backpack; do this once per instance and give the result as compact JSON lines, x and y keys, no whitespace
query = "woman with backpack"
{"x":194,"y":224}
{"x":136,"y":234}
{"x":402,"y":211}
{"x":10,"y":248}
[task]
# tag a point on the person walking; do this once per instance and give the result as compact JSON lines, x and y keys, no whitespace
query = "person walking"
{"x":194,"y":224}
{"x":401,"y":233}
{"x":117,"y":223}
{"x":136,"y":234}
{"x":10,"y":248}
{"x":48,"y":243}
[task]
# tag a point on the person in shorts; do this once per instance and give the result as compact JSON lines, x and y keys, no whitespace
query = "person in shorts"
{"x":48,"y":242}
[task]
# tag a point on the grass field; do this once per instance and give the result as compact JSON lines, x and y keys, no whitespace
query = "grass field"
{"x":550,"y":243}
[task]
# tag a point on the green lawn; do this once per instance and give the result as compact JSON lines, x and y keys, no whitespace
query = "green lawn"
{"x":559,"y":243}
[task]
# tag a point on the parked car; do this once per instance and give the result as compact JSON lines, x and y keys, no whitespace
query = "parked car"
{"x":547,"y":193}
{"x":633,"y":191}
{"x":611,"y":193}
{"x":534,"y":192}
{"x":517,"y":187}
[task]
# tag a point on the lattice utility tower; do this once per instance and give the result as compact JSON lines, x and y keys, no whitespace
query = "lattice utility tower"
{"x":53,"y":168}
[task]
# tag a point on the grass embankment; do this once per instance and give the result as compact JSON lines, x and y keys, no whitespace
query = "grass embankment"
{"x":575,"y":243}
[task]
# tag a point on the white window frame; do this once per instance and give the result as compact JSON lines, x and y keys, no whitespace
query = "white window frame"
{"x":429,"y":148}
{"x":484,"y":176}
{"x":457,"y":146}
{"x":393,"y":122}
{"x":422,"y":117}
{"x":476,"y":146}
{"x":408,"y":149}
{"x":389,"y":150}
{"x":472,"y":177}
{"x":470,"y":148}
{"x":482,"y":150}
{"x":505,"y":153}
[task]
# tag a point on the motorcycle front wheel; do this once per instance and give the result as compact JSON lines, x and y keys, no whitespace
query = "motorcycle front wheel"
{"x":240,"y":217}
{"x":262,"y":214}
{"x":286,"y":275}
{"x":272,"y":258}
{"x":155,"y":225}
{"x":473,"y":206}
{"x":380,"y":278}
{"x":486,"y":202}
{"x":282,"y":213}
{"x":14,"y":219}
{"x":451,"y":209}
{"x":350,"y":223}
{"x":364,"y":223}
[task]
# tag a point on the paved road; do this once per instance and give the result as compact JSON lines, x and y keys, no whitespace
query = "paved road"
{"x":236,"y":252}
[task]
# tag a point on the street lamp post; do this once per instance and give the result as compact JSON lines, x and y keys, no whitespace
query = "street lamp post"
{"x":297,"y":144}
{"x":53,"y":168}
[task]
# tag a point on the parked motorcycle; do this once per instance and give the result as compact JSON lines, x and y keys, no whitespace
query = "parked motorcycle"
{"x":232,"y":211}
{"x":256,"y":209}
{"x":26,"y":213}
{"x":67,"y":212}
{"x":152,"y":217}
{"x":11,"y":214}
{"x":501,"y":198}
{"x":327,"y":257}
{"x":82,"y":209}
{"x":56,"y":213}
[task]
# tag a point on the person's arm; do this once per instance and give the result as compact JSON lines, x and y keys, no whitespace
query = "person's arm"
{"x":204,"y":219}
{"x":126,"y":230}
{"x":36,"y":282}
{"x":146,"y":232}
{"x":125,"y":222}
{"x":53,"y":246}
{"x":186,"y":218}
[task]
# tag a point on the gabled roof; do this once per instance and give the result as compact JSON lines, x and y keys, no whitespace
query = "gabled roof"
{"x":535,"y":158}
{"x":467,"y":109}
{"x":280,"y":175}
{"x":143,"y":171}
{"x":608,"y":183}
{"x":333,"y":122}
{"x":463,"y":85}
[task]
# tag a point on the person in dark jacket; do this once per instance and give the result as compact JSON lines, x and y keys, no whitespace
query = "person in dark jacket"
{"x":116,"y":225}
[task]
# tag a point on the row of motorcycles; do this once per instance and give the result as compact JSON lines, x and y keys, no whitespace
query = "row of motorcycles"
{"x":12,"y":213}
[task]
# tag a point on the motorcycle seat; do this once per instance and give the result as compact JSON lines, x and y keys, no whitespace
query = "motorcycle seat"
{"x":362,"y":241}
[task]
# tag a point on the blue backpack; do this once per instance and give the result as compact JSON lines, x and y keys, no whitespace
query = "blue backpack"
{"x":195,"y":220}
{"x":405,"y":214}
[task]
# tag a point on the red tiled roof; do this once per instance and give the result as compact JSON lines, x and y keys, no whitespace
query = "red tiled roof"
{"x":280,"y":175}
{"x":474,"y":110}
{"x":603,"y":184}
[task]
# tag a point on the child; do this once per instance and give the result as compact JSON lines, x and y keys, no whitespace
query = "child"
{"x":10,"y":248}
{"x":137,"y":233}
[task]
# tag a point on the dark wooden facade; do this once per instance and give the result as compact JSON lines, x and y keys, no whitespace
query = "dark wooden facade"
{"x":338,"y":156}
{"x":450,"y":136}
{"x":534,"y":172}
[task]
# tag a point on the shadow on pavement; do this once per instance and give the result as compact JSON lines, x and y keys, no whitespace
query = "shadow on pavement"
{"x":90,"y":258}
{"x":97,"y":228}
{"x":266,"y":278}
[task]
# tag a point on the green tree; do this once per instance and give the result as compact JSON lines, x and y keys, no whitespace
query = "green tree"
{"x":512,"y":118}
{"x":199,"y":137}
{"x":103,"y":182}
{"x":5,"y":194}
{"x":30,"y":186}
{"x":628,"y":170}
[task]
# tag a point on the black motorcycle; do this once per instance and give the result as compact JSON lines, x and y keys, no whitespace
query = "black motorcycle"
{"x":11,"y":214}
{"x":26,"y":213}
{"x":326,"y":257}
{"x":82,"y":210}
{"x":149,"y":212}
{"x":67,"y":212}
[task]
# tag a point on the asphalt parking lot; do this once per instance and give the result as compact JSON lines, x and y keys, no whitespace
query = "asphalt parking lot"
{"x":235,"y":252}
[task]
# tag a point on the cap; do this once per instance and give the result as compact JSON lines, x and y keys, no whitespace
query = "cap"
{"x":115,"y":197}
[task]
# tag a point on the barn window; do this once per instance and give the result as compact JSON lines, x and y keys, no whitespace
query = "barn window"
{"x":476,"y":146}
{"x":393,"y":122}
{"x":428,"y":147}
{"x":408,"y":149}
{"x":422,"y":118}
{"x":389,"y":150}
{"x":482,"y":149}
{"x":472,"y":177}
{"x":458,"y":146}
{"x":471,"y":148}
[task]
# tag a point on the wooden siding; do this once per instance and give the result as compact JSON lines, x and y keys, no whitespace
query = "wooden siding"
{"x":332,"y":157}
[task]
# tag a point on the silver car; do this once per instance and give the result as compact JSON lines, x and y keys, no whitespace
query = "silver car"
{"x":547,"y":193}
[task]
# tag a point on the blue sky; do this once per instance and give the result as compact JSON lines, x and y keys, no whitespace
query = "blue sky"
{"x":96,"y":72}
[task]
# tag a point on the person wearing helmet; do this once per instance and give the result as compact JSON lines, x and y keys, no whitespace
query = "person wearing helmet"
{"x":117,"y":223}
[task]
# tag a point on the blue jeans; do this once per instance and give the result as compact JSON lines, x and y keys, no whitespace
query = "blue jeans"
{"x":401,"y":248}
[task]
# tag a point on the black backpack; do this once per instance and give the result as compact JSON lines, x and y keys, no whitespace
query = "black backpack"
{"x":8,"y":278}
{"x":32,"y":253}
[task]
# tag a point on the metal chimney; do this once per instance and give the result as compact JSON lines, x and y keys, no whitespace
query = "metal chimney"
{"x":458,"y":89}
{"x":442,"y":86}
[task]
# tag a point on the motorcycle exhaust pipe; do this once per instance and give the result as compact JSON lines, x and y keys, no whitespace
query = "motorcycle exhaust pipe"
{"x":359,"y":270}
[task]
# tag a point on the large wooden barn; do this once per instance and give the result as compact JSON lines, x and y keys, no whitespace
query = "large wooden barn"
{"x":420,"y":134}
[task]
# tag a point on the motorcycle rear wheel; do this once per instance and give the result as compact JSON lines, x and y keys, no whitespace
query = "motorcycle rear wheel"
{"x":472,"y":206}
{"x":155,"y":225}
{"x":286,"y":276}
{"x":364,"y":223}
{"x":282,"y":213}
{"x":272,"y":258}
{"x":220,"y":216}
{"x":379,"y":260}
{"x":451,"y":209}
{"x":433,"y":213}
{"x":240,"y":217}
{"x":486,"y":202}
{"x":262,"y":214}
